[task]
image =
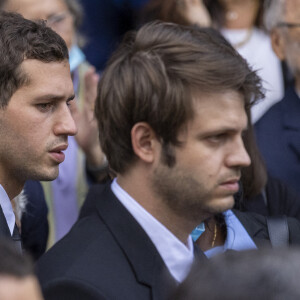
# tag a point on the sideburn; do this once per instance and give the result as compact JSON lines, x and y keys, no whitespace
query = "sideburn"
{"x":168,"y":155}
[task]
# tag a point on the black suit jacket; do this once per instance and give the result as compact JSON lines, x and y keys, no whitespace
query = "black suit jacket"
{"x":256,"y":226}
{"x":277,"y":135}
{"x":34,"y":223}
{"x":106,"y":255}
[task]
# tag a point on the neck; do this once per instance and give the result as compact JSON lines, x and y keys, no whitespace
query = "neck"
{"x":213,"y":236}
{"x":241,"y":15}
{"x":179,"y":225}
{"x":11,"y":186}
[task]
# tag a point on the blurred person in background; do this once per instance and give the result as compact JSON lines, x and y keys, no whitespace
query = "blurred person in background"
{"x":106,"y":23}
{"x":183,"y":12}
{"x":278,"y":131}
{"x":241,"y":23}
{"x":17,"y":279}
{"x":264,"y":274}
{"x":65,"y":195}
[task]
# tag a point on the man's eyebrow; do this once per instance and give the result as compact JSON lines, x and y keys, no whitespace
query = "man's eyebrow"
{"x":227,"y":128}
{"x":223,"y":130}
{"x":52,"y":97}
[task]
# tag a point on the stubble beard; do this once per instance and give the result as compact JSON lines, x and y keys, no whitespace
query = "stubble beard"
{"x":36,"y":172}
{"x":183,"y":194}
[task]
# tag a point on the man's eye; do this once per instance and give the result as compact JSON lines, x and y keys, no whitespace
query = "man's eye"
{"x":69,"y":102}
{"x":216,"y":138}
{"x":44,"y":107}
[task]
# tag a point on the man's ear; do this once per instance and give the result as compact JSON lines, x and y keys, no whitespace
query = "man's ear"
{"x":143,"y":141}
{"x":278,"y":43}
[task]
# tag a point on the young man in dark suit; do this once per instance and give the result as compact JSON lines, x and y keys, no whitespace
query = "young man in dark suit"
{"x":171,"y":110}
{"x":35,"y":120}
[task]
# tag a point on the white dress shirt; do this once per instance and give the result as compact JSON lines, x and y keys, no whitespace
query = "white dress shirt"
{"x":177,"y":256}
{"x":7,"y":209}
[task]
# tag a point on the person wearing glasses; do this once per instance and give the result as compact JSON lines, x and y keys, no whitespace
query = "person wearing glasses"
{"x":278,"y":131}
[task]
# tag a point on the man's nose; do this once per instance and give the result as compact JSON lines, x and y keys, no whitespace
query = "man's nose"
{"x":238,"y":155}
{"x":65,"y":124}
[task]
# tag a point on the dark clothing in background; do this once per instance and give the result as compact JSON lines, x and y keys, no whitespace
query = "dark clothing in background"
{"x":278,"y":139}
{"x":104,"y":25}
{"x":278,"y":200}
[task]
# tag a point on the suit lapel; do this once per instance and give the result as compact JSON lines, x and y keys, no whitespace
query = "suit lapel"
{"x":145,"y":260}
{"x":256,"y":227}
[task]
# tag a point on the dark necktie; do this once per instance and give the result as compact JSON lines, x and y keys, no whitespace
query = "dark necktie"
{"x":16,"y":237}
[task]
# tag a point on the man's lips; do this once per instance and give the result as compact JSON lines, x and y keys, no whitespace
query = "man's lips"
{"x":231,"y":185}
{"x":57,"y":154}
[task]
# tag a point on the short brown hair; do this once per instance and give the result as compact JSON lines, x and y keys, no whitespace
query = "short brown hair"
{"x":151,"y":78}
{"x":22,"y":39}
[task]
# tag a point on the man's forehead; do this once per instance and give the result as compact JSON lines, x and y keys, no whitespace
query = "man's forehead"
{"x":292,"y":11}
{"x":32,"y":64}
{"x":199,"y":96}
{"x":35,"y":9}
{"x":18,"y":5}
{"x":46,"y":74}
{"x":224,"y":105}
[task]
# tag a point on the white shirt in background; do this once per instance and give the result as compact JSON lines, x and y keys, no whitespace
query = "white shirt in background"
{"x":259,"y":54}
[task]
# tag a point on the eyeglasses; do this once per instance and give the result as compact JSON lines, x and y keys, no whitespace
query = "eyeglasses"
{"x":289,"y":25}
{"x":56,"y":19}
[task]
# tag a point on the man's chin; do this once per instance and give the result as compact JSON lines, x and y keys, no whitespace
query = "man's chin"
{"x":222,"y":204}
{"x":47,"y":175}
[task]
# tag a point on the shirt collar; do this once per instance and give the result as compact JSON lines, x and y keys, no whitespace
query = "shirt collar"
{"x":7,"y":209}
{"x":177,"y":256}
{"x":237,"y":239}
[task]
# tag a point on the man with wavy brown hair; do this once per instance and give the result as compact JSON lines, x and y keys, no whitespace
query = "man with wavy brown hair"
{"x":171,"y":110}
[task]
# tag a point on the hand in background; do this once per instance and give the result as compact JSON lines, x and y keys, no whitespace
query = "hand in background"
{"x":195,"y":12}
{"x":87,"y":136}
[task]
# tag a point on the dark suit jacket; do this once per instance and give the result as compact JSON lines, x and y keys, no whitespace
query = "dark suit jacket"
{"x":34,"y":221}
{"x":278,"y":138}
{"x":104,"y":28}
{"x":256,"y":226}
{"x":279,"y":200}
{"x":106,"y":255}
